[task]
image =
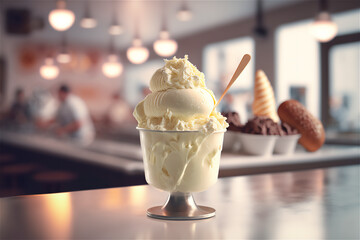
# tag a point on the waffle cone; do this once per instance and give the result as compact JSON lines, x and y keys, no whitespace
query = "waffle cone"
{"x":264,"y":100}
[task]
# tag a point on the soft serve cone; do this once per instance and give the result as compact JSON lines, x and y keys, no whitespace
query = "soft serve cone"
{"x":264,"y":100}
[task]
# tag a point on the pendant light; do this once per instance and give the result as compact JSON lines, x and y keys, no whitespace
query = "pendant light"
{"x":49,"y":70}
{"x":260,"y":30}
{"x":61,"y":19}
{"x":165,"y":46}
{"x":115,"y":28}
{"x":137,"y":53}
{"x":112,"y":68}
{"x":87,"y":21}
{"x":184,"y":14}
{"x":63,"y":56}
{"x":323,"y":28}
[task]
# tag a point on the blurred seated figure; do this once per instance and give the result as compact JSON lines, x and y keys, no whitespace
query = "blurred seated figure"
{"x":228,"y":103}
{"x":72,"y":118}
{"x":43,"y":106}
{"x":19,"y":111}
{"x":240,"y":103}
{"x":118,"y":114}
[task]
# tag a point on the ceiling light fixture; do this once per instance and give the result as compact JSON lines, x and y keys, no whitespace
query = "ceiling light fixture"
{"x":49,"y":70}
{"x":323,"y":28}
{"x":137,"y":53}
{"x":115,"y":28}
{"x":260,"y":30}
{"x":63,"y":56}
{"x":61,"y":19}
{"x":165,"y":46}
{"x":112,"y":68}
{"x":87,"y":21}
{"x":184,"y":14}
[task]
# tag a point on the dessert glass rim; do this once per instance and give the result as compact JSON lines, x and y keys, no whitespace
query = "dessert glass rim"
{"x":177,"y":131}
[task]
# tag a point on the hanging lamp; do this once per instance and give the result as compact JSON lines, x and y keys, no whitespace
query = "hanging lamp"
{"x":61,"y":18}
{"x":64,"y":55}
{"x":112,"y":68}
{"x":323,"y":28}
{"x":88,"y":21}
{"x":115,"y":27}
{"x":137,"y":53}
{"x":184,"y":14}
{"x":49,"y":70}
{"x":165,"y":46}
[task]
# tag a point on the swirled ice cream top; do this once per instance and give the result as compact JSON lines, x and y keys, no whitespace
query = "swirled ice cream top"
{"x":179,"y":100}
{"x":178,"y":73}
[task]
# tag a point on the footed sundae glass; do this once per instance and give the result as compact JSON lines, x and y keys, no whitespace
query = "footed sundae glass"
{"x":181,"y":162}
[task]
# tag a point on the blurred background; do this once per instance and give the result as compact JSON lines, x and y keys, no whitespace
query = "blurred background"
{"x":61,"y":61}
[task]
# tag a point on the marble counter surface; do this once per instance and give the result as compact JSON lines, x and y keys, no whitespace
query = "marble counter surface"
{"x":313,"y":204}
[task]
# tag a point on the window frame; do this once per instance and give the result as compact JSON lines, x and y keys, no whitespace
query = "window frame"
{"x":325,"y":72}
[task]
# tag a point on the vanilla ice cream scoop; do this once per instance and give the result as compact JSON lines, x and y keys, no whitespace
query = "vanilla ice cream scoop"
{"x":177,"y":73}
{"x":179,"y":100}
{"x":183,"y":103}
{"x":181,"y":133}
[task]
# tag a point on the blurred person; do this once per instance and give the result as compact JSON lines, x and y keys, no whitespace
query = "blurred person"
{"x":340,"y":113}
{"x":19,"y":111}
{"x":228,"y":103}
{"x":43,"y":105}
{"x":118,"y":113}
{"x":239,"y":103}
{"x":72,"y":117}
{"x":242,"y":105}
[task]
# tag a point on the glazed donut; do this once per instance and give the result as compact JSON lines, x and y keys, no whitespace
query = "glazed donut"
{"x":311,"y":129}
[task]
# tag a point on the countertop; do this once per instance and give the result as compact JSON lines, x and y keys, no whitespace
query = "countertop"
{"x":128,"y":156}
{"x":312,"y":204}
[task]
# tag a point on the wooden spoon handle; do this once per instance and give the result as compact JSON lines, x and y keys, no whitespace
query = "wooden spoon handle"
{"x":244,"y":61}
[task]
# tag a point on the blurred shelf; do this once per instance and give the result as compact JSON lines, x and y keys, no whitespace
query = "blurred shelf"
{"x":128,"y":157}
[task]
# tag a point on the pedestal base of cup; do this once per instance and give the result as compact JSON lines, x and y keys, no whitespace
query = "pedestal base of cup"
{"x":181,"y":206}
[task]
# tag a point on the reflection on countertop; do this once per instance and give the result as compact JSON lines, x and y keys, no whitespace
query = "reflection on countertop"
{"x":313,"y":204}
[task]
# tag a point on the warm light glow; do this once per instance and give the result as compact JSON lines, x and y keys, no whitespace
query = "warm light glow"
{"x":58,"y":214}
{"x":112,"y":199}
{"x":137,"y":54}
{"x":88,"y":22}
{"x":184,"y":14}
{"x":49,"y":71}
{"x":61,"y":19}
{"x":63,"y":57}
{"x":112,"y":68}
{"x":137,"y":195}
{"x":116,"y":29}
{"x":323,"y":28}
{"x":165,"y":47}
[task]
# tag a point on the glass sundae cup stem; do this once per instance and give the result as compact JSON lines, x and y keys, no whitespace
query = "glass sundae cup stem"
{"x":180,"y":206}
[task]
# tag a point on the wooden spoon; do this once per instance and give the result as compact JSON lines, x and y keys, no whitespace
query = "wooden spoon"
{"x":244,"y":61}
